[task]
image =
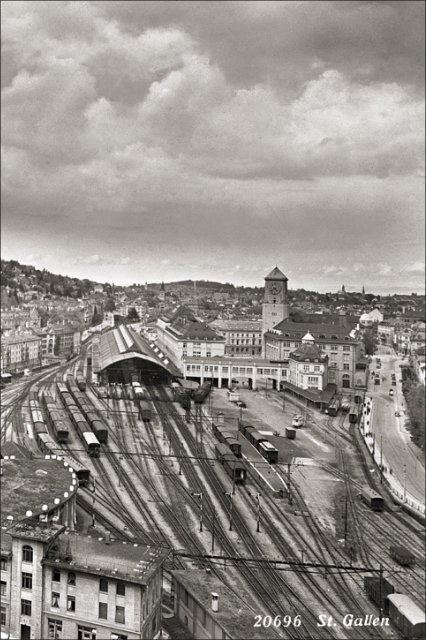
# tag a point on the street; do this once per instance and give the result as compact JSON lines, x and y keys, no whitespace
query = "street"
{"x":405,"y":459}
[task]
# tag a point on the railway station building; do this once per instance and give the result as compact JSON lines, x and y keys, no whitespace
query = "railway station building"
{"x":336,"y":349}
{"x":119,"y":353}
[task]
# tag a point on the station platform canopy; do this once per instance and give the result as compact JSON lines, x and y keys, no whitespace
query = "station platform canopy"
{"x":122,"y":344}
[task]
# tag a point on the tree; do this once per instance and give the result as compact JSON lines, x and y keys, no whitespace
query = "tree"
{"x":110,"y":305}
{"x":370,"y":341}
{"x":132,"y":315}
{"x":97,"y":317}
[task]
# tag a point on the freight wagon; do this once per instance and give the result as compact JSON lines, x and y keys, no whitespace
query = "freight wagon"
{"x":144,"y":410}
{"x":233,"y":443}
{"x":334,"y":407}
{"x":378,"y":590}
{"x":402,"y":555}
{"x":354,"y":412}
{"x":233,"y":467}
{"x":97,"y":425}
{"x":268,"y":451}
{"x":81,"y":382}
{"x":290,"y":433}
{"x":254,"y":437}
{"x":59,"y":426}
{"x":90,"y":441}
{"x":200,"y":394}
{"x":406,"y":616}
{"x":373,"y":499}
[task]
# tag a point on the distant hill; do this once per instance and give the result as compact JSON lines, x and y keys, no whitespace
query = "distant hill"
{"x":17,"y":279}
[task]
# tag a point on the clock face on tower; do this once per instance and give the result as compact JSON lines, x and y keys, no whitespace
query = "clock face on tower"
{"x":275,"y":289}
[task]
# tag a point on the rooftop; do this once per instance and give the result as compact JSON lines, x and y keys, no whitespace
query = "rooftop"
{"x":297,"y":330}
{"x":276,"y":274}
{"x":27,"y":485}
{"x":237,"y":325}
{"x":308,"y":353}
{"x":107,"y":557}
{"x":234,"y":615}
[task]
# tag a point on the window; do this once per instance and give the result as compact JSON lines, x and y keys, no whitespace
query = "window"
{"x":55,"y":600}
{"x":209,"y":354}
{"x":26,"y":607}
{"x":119,"y":614}
{"x":118,"y":636}
{"x":345,"y":366}
{"x":186,"y":597}
{"x":71,"y":578}
{"x":312,"y":381}
{"x":305,"y":367}
{"x":334,"y":347}
{"x":203,"y":617}
{"x":27,"y":580}
{"x":86,"y":633}
{"x":27,"y":553}
{"x":3,"y":564}
{"x":121,"y":589}
{"x":103,"y":610}
{"x":3,"y":617}
{"x":103,"y":585}
{"x":56,"y":575}
{"x":316,"y":368}
{"x":3,"y":588}
{"x":70,"y":603}
{"x":54,"y":629}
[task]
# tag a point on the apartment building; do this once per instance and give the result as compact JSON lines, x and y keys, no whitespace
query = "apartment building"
{"x":243,"y":338}
{"x":57,"y":583}
{"x":20,"y":352}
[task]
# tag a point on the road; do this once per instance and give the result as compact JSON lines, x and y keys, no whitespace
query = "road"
{"x":405,"y":459}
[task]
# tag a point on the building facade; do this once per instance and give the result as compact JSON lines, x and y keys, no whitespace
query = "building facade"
{"x":243,"y":338}
{"x":308,"y":366}
{"x":20,"y":352}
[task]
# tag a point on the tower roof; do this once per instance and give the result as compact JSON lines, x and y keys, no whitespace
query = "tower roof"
{"x":276,"y":274}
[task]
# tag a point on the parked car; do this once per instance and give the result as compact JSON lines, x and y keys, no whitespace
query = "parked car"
{"x":241,"y":404}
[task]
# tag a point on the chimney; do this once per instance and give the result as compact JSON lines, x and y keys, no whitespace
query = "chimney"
{"x":215,"y":601}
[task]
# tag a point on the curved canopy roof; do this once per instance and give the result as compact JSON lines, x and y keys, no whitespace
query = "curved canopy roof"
{"x":124,"y":344}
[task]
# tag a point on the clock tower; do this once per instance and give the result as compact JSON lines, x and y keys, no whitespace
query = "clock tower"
{"x":275,"y":304}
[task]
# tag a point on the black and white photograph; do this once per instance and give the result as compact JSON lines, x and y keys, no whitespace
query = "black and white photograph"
{"x":213,"y":320}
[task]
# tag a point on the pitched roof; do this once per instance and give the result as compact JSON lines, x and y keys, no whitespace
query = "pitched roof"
{"x":308,"y":353}
{"x":276,"y":274}
{"x":299,"y":329}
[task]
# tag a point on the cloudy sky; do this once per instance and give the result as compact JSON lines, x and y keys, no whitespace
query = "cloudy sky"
{"x":167,"y":140}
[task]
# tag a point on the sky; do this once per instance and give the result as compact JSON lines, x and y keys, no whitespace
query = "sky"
{"x":148,"y":141}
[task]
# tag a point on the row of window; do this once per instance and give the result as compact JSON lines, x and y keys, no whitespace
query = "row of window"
{"x":103,"y":582}
{"x":84,"y":633}
{"x":3,"y":564}
{"x":71,"y":607}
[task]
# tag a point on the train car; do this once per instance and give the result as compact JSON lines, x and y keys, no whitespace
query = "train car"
{"x":373,"y":499}
{"x":33,"y":395}
{"x":243,"y":426}
{"x":334,"y":407}
{"x":290,"y":433}
{"x":81,"y":381}
{"x":200,"y":394}
{"x":297,"y":421}
{"x":37,"y":418}
{"x":97,"y":425}
{"x":354,"y":412}
{"x":406,"y":616}
{"x":59,"y":426}
{"x":68,"y":400}
{"x":254,"y":437}
{"x":101,"y":392}
{"x":89,"y":439}
{"x":35,"y":405}
{"x":50,"y":447}
{"x":40,"y":427}
{"x":402,"y":555}
{"x":235,"y":446}
{"x":138,"y":391}
{"x":269,"y":452}
{"x":378,"y":590}
{"x":182,"y":396}
{"x":62,"y":387}
{"x":144,"y":411}
{"x":234,"y":468}
{"x":345,"y":404}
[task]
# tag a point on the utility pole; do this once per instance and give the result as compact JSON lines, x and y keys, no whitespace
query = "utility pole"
{"x":346,"y":516}
{"x":405,"y":483}
{"x":213,"y":526}
{"x":290,"y":497}
{"x":231,"y":504}
{"x":380,"y":591}
{"x":283,"y":399}
{"x":180,"y":458}
{"x":381,"y":459}
{"x":257,"y":496}
{"x":200,"y":495}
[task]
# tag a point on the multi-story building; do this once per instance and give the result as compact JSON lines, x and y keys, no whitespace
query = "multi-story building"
{"x":210,"y":610}
{"x":20,"y":352}
{"x":243,"y":338}
{"x":59,"y":584}
{"x":343,"y":347}
{"x":182,"y":335}
{"x":275,"y":302}
{"x":308,"y":366}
